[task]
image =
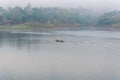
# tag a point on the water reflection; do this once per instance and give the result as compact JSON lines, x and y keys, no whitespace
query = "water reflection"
{"x":26,"y":56}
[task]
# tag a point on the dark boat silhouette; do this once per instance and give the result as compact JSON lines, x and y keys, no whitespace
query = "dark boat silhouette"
{"x":59,"y":40}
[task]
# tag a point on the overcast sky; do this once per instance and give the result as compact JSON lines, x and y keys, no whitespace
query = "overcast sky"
{"x":94,"y":4}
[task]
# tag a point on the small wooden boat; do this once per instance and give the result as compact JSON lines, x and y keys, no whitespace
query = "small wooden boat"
{"x":59,"y":40}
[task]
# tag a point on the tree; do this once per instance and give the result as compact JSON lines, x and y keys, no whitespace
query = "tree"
{"x":15,"y":14}
{"x":109,"y":18}
{"x":28,"y":12}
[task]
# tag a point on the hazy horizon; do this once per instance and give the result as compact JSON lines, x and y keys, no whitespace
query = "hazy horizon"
{"x":91,"y":4}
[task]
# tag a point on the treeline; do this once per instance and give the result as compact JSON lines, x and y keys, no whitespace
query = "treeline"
{"x":54,"y":15}
{"x":18,"y":15}
{"x":112,"y":17}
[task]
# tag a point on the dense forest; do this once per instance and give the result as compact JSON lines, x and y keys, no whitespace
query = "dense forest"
{"x":109,"y":18}
{"x":53,"y":15}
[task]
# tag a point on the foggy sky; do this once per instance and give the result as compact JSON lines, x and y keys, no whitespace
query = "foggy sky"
{"x":91,"y":4}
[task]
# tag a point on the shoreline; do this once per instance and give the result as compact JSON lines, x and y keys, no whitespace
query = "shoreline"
{"x":36,"y":27}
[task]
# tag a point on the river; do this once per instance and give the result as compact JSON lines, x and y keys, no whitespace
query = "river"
{"x":84,"y":55}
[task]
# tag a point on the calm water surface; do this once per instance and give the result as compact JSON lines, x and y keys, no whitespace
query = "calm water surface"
{"x":85,"y":55}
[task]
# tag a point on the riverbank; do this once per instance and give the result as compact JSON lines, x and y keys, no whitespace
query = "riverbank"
{"x":36,"y":26}
{"x":40,"y":27}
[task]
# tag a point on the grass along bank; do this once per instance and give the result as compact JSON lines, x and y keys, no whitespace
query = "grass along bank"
{"x":36,"y":26}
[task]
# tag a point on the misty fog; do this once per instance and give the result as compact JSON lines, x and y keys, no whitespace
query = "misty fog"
{"x":59,"y":40}
{"x":91,"y":4}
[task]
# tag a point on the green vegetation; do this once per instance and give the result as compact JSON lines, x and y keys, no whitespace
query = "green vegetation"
{"x":21,"y":18}
{"x":109,"y":18}
{"x":50,"y":15}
